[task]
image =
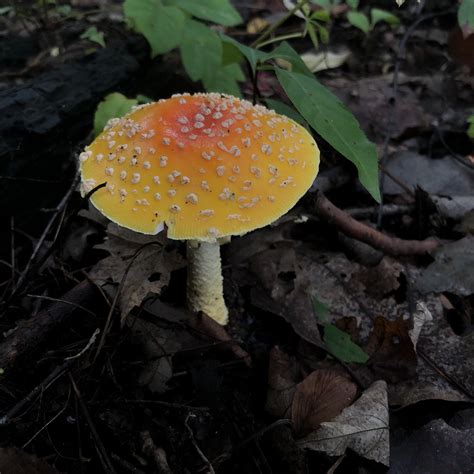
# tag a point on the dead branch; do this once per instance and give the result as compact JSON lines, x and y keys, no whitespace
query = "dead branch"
{"x":352,"y":228}
{"x":30,"y":334}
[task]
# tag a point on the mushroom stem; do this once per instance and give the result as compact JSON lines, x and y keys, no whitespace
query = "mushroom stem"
{"x":205,"y":288}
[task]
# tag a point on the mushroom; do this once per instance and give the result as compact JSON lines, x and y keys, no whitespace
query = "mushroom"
{"x":208,"y":166}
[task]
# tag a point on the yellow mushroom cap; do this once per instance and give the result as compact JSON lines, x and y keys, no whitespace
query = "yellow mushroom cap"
{"x":206,"y":165}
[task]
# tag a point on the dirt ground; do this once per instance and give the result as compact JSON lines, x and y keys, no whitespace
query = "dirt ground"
{"x":103,"y":369}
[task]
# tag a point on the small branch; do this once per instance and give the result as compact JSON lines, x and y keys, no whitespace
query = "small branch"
{"x":352,"y":228}
{"x":277,"y":24}
{"x":198,"y":449}
{"x":31,"y":333}
{"x":102,"y":453}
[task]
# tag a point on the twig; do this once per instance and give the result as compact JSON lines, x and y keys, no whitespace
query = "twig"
{"x":389,"y":210}
{"x":198,"y":449}
{"x":399,"y":56}
{"x":102,"y":453}
{"x":177,"y":406}
{"x":59,"y":300}
{"x":61,"y":206}
{"x":451,"y":152}
{"x":277,"y":24}
{"x":156,"y":453}
{"x":352,"y":228}
{"x":51,"y":378}
{"x":31,"y":333}
{"x":117,"y":295}
{"x":12,"y":250}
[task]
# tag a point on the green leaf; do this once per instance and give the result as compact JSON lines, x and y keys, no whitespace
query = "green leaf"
{"x":225,"y":80}
{"x":322,"y":3}
{"x":217,"y":11}
{"x":330,"y":118}
{"x":470,"y":130}
{"x":359,"y":20}
{"x":320,"y":310}
{"x":201,"y":50}
{"x":286,"y":52}
{"x":94,"y":35}
{"x":323,"y":34}
{"x":283,"y":109}
{"x":321,"y":15}
{"x":382,"y":15}
{"x":313,"y":36}
{"x":143,"y":99}
{"x":252,"y":55}
{"x":341,"y":346}
{"x":353,"y":3}
{"x":5,"y":10}
{"x":114,"y":105}
{"x":162,"y":26}
{"x":466,"y":15}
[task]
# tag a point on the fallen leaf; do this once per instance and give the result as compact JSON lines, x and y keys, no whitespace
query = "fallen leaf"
{"x":392,"y":354}
{"x":155,"y":346}
{"x":325,"y":60}
{"x":436,"y":176}
{"x":420,"y":316}
{"x":12,"y":460}
{"x":148,"y":273}
{"x":449,"y":354}
{"x":368,"y":99}
{"x":451,"y":271}
{"x":282,"y":377}
{"x":382,"y":279}
{"x":288,"y":290}
{"x":340,"y":345}
{"x":320,"y":397}
{"x":362,"y":427}
{"x":436,"y":447}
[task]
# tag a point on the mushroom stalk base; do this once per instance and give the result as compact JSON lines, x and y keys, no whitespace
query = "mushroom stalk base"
{"x":205,"y":283}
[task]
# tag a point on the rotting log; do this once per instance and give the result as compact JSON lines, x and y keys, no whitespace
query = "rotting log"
{"x":42,"y":120}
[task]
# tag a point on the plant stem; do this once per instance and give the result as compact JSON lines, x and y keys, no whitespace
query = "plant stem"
{"x":282,"y":38}
{"x":276,"y":25}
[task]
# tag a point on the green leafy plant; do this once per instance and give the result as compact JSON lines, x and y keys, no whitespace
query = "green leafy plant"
{"x":365,"y":23}
{"x":470,"y":130}
{"x":466,"y":16}
{"x":215,"y":60}
{"x":114,"y":105}
{"x":176,"y":23}
{"x":94,"y":35}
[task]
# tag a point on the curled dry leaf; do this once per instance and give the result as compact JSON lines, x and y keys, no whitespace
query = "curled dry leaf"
{"x":149,"y":272}
{"x":320,"y":397}
{"x":282,"y":376}
{"x":362,"y":427}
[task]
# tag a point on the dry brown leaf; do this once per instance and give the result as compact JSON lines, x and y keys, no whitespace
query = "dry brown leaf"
{"x":282,"y":376}
{"x":149,"y":272}
{"x":391,"y":350}
{"x":320,"y":397}
{"x":362,"y":427}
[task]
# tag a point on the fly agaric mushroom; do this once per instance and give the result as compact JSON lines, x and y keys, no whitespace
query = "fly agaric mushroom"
{"x":206,"y":165}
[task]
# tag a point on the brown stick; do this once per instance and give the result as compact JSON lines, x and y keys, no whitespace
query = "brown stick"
{"x":349,"y":226}
{"x":30,"y":334}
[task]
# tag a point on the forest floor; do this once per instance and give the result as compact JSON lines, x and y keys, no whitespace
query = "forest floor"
{"x":103,"y":369}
